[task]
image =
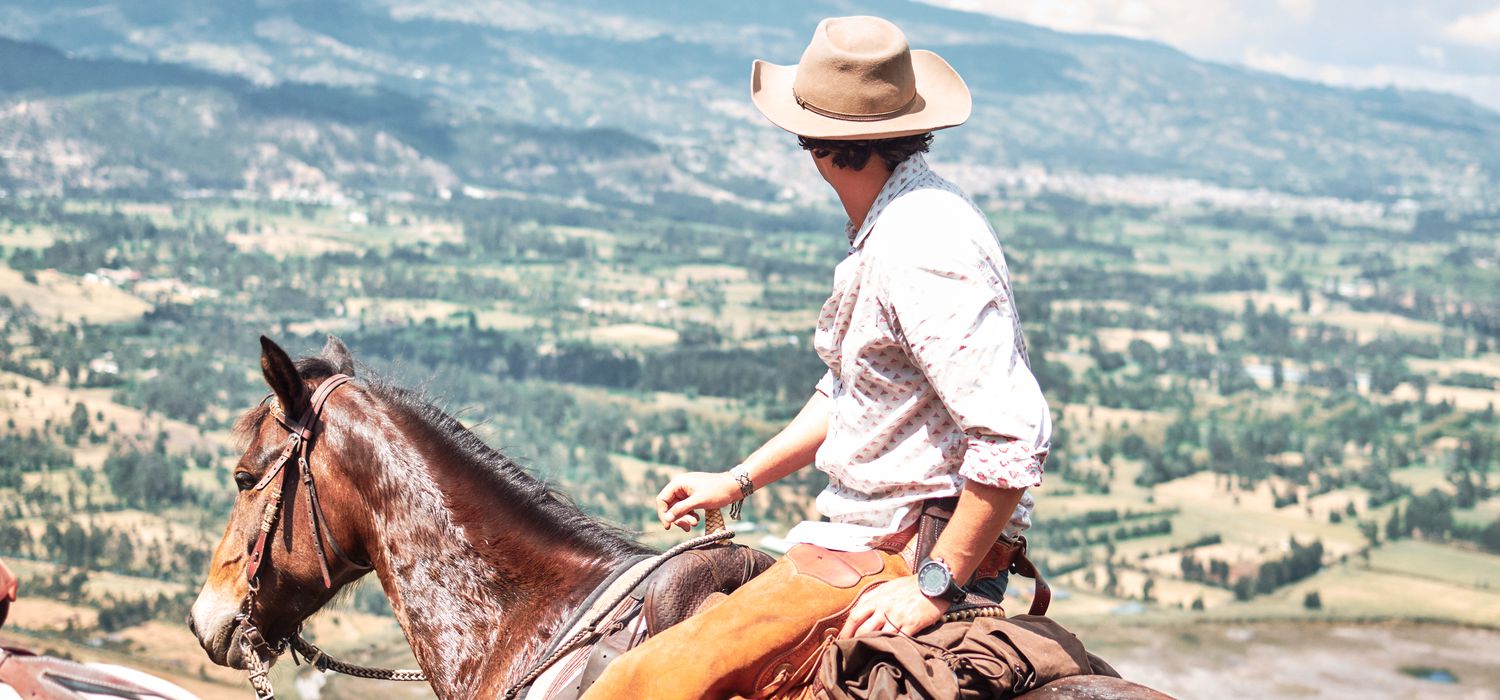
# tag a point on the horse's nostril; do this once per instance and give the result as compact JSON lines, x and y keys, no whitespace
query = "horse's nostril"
{"x":192,"y":627}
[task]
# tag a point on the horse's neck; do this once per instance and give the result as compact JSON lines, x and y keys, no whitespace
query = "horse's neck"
{"x":479,"y":591}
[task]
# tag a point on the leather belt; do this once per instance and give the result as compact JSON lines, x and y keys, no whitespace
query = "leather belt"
{"x":915,"y":543}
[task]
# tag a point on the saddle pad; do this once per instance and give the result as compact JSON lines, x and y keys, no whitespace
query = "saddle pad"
{"x":564,"y":674}
{"x":24,"y":675}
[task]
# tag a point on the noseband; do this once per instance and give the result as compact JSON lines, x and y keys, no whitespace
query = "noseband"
{"x":301,"y":437}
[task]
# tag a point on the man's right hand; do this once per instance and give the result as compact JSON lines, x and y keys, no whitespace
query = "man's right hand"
{"x":691,"y":491}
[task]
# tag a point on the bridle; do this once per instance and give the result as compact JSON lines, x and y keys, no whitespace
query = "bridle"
{"x":301,"y":437}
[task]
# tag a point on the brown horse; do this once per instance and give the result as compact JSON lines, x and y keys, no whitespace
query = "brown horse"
{"x":482,"y":563}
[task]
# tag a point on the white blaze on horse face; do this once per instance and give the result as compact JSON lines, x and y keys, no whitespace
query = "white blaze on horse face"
{"x":212,"y":618}
{"x":213,"y":615}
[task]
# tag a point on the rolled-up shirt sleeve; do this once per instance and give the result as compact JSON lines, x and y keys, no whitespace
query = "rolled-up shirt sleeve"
{"x":960,"y":327}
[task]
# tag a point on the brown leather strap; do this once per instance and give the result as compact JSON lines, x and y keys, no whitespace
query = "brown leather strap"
{"x":281,"y":460}
{"x":315,"y":507}
{"x":311,"y":491}
{"x":916,"y":541}
{"x":1022,"y":565}
{"x":300,"y":441}
{"x":930,"y":525}
{"x":268,"y":517}
{"x":320,"y":521}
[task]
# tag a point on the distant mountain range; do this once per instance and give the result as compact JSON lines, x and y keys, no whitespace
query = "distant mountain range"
{"x":311,"y":97}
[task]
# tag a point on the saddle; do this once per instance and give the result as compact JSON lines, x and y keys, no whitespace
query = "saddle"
{"x":695,"y":580}
{"x":681,"y":587}
{"x":39,"y":677}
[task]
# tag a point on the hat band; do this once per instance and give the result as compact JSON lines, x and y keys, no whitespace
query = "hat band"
{"x":851,"y":117}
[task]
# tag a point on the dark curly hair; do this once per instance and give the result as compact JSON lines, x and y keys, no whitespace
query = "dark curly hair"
{"x":853,"y":155}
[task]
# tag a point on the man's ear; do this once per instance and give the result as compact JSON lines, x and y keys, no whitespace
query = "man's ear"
{"x":281,"y":374}
{"x":338,"y":355}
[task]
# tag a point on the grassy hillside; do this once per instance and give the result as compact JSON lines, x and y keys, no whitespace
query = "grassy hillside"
{"x":1275,"y":411}
{"x":1261,"y":417}
{"x":677,"y":73}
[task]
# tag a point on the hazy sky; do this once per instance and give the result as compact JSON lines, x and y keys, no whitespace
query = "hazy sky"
{"x":1447,"y":45}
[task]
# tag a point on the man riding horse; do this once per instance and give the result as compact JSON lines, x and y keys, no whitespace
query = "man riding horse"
{"x":929,"y":404}
{"x":928,"y":422}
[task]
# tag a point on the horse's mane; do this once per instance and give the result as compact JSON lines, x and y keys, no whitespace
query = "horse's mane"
{"x":494,"y":467}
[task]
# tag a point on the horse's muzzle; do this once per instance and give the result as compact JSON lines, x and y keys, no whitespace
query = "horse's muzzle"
{"x":214,"y":624}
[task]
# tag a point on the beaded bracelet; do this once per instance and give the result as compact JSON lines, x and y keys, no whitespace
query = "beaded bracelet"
{"x":741,"y":475}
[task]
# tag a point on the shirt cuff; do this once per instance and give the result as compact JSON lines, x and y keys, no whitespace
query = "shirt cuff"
{"x":1002,"y":462}
{"x":827,"y":383}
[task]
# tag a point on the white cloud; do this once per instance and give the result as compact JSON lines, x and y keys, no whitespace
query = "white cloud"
{"x":1482,"y":29}
{"x":1442,"y":45}
{"x":1433,"y":54}
{"x":1484,"y":89}
{"x":1300,"y":10}
{"x":1189,"y":25}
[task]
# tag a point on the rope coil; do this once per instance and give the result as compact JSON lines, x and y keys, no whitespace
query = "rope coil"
{"x":974,"y":613}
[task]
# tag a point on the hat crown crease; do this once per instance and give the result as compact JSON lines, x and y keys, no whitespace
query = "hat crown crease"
{"x":856,"y":68}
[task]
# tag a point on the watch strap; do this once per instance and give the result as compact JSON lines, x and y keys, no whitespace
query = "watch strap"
{"x":954,"y":593}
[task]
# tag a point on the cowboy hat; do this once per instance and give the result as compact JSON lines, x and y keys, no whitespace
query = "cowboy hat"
{"x":859,"y":79}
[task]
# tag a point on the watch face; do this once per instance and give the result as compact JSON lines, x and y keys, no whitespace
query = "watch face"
{"x":933,"y":578}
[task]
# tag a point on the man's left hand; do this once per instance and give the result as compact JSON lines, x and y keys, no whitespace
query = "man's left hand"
{"x":894,"y":606}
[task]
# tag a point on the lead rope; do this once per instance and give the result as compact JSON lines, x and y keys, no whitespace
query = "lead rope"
{"x":319,"y":659}
{"x":260,"y":679}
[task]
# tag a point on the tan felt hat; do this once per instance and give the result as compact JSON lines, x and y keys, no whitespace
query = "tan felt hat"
{"x":859,"y":79}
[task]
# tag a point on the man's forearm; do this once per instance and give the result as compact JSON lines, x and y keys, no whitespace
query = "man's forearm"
{"x":794,"y":447}
{"x":981,"y":516}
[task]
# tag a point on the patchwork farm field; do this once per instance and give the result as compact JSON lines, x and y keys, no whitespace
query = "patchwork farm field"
{"x":1254,"y":433}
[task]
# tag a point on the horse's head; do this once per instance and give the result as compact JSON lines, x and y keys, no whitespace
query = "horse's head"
{"x":289,"y":583}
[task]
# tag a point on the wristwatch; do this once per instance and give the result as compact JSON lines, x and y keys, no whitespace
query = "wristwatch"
{"x":935,"y":580}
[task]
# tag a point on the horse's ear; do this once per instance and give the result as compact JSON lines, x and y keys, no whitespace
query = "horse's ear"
{"x":338,"y":355}
{"x":281,"y":375}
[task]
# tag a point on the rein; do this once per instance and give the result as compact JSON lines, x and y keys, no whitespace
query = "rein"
{"x":301,"y":437}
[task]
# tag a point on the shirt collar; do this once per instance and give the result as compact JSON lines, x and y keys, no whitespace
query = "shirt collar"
{"x":903,"y":179}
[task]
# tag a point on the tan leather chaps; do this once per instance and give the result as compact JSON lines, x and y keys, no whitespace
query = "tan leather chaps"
{"x":763,"y":641}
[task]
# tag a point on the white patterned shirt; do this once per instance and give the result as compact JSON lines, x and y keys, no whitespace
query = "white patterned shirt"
{"x":927,"y":368}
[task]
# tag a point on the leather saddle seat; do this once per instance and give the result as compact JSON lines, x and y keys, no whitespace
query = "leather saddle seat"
{"x":50,"y":678}
{"x":684,"y":585}
{"x":697,"y":579}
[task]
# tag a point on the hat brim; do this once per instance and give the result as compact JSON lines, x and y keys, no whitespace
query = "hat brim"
{"x":942,"y":101}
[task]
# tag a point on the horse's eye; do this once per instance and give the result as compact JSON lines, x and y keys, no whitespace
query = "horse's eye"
{"x":244,"y":480}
